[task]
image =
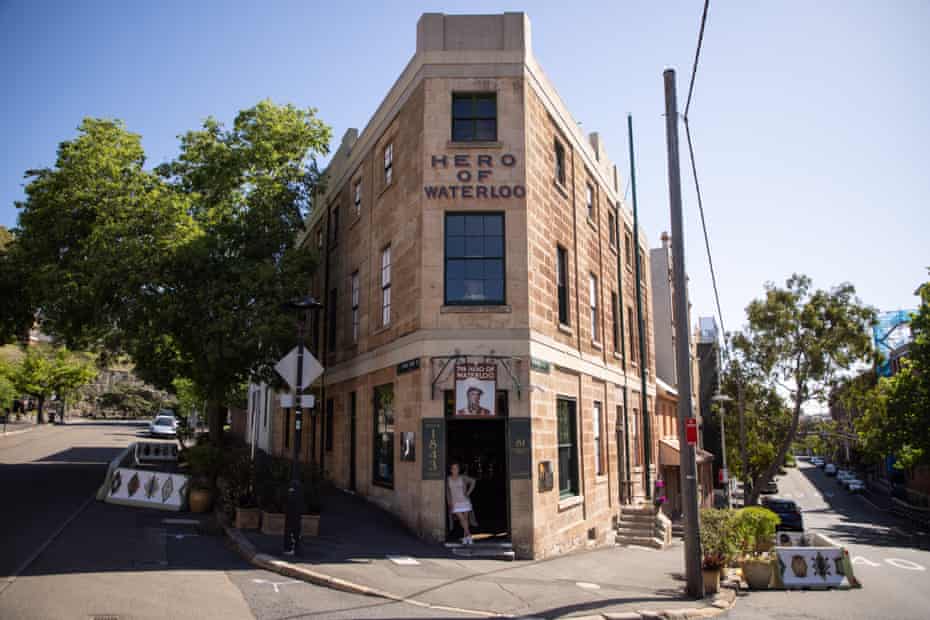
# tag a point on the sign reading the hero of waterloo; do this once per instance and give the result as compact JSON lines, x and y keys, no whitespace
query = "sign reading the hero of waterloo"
{"x":475,"y":389}
{"x":473,"y":177}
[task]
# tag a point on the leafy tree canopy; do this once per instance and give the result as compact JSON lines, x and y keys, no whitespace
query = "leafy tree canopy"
{"x":42,"y":374}
{"x":184,"y":268}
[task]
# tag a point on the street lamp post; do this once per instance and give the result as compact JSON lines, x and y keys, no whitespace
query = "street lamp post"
{"x":303,"y":306}
{"x":723,"y":398}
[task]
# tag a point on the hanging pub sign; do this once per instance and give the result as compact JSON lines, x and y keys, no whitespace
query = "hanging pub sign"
{"x":475,"y":389}
{"x":474,"y":177}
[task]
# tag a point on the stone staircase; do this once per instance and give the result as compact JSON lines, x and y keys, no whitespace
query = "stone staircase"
{"x":486,"y":550}
{"x":640,"y":525}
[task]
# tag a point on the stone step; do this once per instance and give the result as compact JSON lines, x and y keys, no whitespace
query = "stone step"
{"x":635,"y":531}
{"x":641,"y":541}
{"x":643,"y":509}
{"x":479,"y":551}
{"x":637,"y":519}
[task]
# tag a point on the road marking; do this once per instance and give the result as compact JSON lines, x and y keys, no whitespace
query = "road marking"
{"x":9,"y":580}
{"x":861,"y":560}
{"x":905,"y":564}
{"x":584,"y":585}
{"x":403,"y":560}
{"x":276,"y":584}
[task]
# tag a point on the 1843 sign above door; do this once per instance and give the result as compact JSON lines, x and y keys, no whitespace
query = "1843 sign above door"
{"x":473,"y":177}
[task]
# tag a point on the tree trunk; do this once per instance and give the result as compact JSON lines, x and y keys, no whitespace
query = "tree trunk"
{"x":782,"y":451}
{"x":40,"y":417}
{"x":216,"y":415}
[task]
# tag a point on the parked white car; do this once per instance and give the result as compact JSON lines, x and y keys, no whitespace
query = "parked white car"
{"x":844,"y":474}
{"x":818,"y":461}
{"x":829,"y":469}
{"x":164,"y":426}
{"x":854,"y":485}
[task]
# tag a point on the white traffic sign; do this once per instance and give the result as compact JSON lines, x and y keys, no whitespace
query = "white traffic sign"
{"x":287,"y":368}
{"x":307,"y":401}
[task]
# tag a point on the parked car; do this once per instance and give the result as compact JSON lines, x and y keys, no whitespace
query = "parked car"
{"x":164,"y":426}
{"x":771,"y":488}
{"x":843,"y":474}
{"x":818,"y":461}
{"x":829,"y":469}
{"x":854,"y":485}
{"x":788,"y":512}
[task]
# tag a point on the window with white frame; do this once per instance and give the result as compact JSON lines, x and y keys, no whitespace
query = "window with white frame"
{"x":593,"y":304}
{"x":388,"y":163}
{"x":589,"y":200}
{"x":386,"y":286}
{"x":355,"y":307}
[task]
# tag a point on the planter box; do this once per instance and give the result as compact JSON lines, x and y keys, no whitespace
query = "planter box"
{"x":309,"y":525}
{"x":273,"y":523}
{"x":711,"y":580}
{"x":248,"y":518}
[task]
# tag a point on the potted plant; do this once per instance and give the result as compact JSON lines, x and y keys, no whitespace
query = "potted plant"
{"x":204,"y":462}
{"x":755,"y":532}
{"x":273,"y":478}
{"x":310,"y":518}
{"x":238,"y":491}
{"x":717,"y":545}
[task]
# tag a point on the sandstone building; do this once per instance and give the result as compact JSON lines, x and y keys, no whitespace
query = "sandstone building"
{"x":471,"y":227}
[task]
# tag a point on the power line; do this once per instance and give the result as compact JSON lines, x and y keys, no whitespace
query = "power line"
{"x":697,"y":56}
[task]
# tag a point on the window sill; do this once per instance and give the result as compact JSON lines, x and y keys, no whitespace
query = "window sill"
{"x":385,"y":188}
{"x":561,"y":188}
{"x":617,"y":356}
{"x":453,"y":309}
{"x":570,"y":502}
{"x":566,"y":329}
{"x":600,"y":479}
{"x":591,"y":223}
{"x":597,"y":345}
{"x":381,"y":329}
{"x":477,"y":144}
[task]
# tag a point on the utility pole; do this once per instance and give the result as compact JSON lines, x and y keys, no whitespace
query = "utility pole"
{"x":641,"y":325}
{"x":693,"y":565}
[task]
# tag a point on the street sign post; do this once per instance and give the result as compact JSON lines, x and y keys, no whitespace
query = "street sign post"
{"x":691,"y":431}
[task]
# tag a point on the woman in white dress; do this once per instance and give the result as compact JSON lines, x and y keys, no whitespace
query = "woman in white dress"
{"x":460,"y":489}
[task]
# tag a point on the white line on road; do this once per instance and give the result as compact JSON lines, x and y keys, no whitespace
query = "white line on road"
{"x":276,"y":584}
{"x":9,"y":580}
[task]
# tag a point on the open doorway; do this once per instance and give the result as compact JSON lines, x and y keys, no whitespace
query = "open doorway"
{"x":480,"y":448}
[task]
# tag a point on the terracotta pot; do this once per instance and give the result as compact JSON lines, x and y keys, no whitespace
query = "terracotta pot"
{"x":309,"y":525}
{"x":248,"y":518}
{"x":757,"y":573}
{"x":200,"y":500}
{"x":711,"y":580}
{"x":273,"y":523}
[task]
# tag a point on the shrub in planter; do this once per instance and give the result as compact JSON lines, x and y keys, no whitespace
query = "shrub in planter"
{"x":754,"y":527}
{"x":273,"y":502}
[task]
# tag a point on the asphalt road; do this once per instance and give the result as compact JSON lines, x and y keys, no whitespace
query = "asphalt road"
{"x":121,"y":562}
{"x":890,"y":559}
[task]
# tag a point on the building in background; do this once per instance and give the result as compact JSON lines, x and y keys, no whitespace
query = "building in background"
{"x":709,"y":360}
{"x":666,"y":411}
{"x":477,"y":272}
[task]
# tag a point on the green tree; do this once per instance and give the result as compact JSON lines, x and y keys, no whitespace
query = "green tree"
{"x":6,"y":238}
{"x":895,"y":412}
{"x":184,"y":269}
{"x":801,"y":340}
{"x":7,"y":389}
{"x":42,"y":374}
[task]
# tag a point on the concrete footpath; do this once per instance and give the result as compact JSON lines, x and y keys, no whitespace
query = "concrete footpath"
{"x":364,"y":550}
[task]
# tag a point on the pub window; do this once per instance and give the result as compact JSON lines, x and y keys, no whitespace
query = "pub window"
{"x":568,"y":448}
{"x":589,"y":200}
{"x":634,"y":349}
{"x":330,"y":414}
{"x":335,"y":225}
{"x":355,"y":307}
{"x":612,"y":224}
{"x":615,"y":315}
{"x":358,"y":198}
{"x":593,"y":303}
{"x":474,"y":259}
{"x":598,"y":446}
{"x":559,"y":163}
{"x":628,"y":247}
{"x":562,"y":283}
{"x":383,"y":460}
{"x":331,"y":336}
{"x":386,"y":286}
{"x":388,"y":163}
{"x":474,"y":117}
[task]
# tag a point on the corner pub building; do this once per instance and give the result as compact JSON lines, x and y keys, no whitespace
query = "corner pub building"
{"x":477,"y":273}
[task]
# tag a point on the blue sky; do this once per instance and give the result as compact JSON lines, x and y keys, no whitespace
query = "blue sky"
{"x":809,"y":118}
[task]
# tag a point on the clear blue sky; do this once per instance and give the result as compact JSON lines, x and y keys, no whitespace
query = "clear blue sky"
{"x":810,"y":118}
